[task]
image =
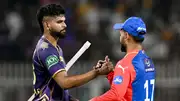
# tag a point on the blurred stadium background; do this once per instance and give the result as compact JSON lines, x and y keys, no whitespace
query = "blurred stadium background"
{"x":89,"y":20}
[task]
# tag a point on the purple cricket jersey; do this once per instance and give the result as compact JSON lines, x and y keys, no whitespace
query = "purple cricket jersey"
{"x":47,"y":62}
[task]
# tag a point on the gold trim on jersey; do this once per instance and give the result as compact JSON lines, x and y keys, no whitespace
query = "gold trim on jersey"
{"x":34,"y":76}
{"x":60,"y":70}
{"x":44,"y":98}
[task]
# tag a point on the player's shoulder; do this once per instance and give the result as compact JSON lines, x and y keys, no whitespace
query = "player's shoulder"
{"x":131,"y":58}
{"x":44,"y":47}
{"x":140,"y":56}
{"x":128,"y":58}
{"x":142,"y":62}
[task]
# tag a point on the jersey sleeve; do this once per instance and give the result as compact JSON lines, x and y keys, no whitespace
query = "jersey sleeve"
{"x":52,"y":61}
{"x":119,"y":85}
{"x":110,"y":77}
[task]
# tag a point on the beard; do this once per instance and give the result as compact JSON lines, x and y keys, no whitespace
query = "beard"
{"x":123,"y":48}
{"x":58,"y":34}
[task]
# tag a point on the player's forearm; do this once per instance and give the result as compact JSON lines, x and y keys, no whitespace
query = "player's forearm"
{"x":78,"y":80}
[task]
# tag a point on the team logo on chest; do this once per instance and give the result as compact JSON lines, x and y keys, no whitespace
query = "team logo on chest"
{"x":147,"y":62}
{"x":149,"y":67}
{"x":44,"y":45}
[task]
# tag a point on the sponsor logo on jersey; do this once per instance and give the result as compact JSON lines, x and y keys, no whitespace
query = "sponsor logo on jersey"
{"x":123,"y":68}
{"x":51,"y":60}
{"x":149,"y":69}
{"x":118,"y":80}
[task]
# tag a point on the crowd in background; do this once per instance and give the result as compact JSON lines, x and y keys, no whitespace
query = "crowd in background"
{"x":90,"y":20}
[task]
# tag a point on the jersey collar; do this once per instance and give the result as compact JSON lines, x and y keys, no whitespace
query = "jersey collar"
{"x":133,"y":51}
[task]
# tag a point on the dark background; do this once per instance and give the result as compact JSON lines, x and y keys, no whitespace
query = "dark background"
{"x":90,"y":20}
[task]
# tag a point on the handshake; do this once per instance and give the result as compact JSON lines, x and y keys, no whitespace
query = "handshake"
{"x":104,"y":67}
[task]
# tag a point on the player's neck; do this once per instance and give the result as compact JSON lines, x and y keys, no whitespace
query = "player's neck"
{"x":133,"y":47}
{"x":51,"y":39}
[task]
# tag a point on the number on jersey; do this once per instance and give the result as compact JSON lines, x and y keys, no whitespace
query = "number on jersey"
{"x":149,"y":89}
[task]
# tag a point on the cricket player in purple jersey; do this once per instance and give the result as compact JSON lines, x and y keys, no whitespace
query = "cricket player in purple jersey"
{"x":50,"y":77}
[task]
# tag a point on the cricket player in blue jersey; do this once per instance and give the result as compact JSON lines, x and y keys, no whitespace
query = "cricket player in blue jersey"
{"x":133,"y":78}
{"x":50,"y":77}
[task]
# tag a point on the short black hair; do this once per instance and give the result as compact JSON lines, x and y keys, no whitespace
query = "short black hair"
{"x":48,"y":10}
{"x":139,"y":39}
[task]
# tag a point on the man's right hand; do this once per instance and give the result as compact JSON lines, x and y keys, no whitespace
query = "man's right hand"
{"x":104,"y":67}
